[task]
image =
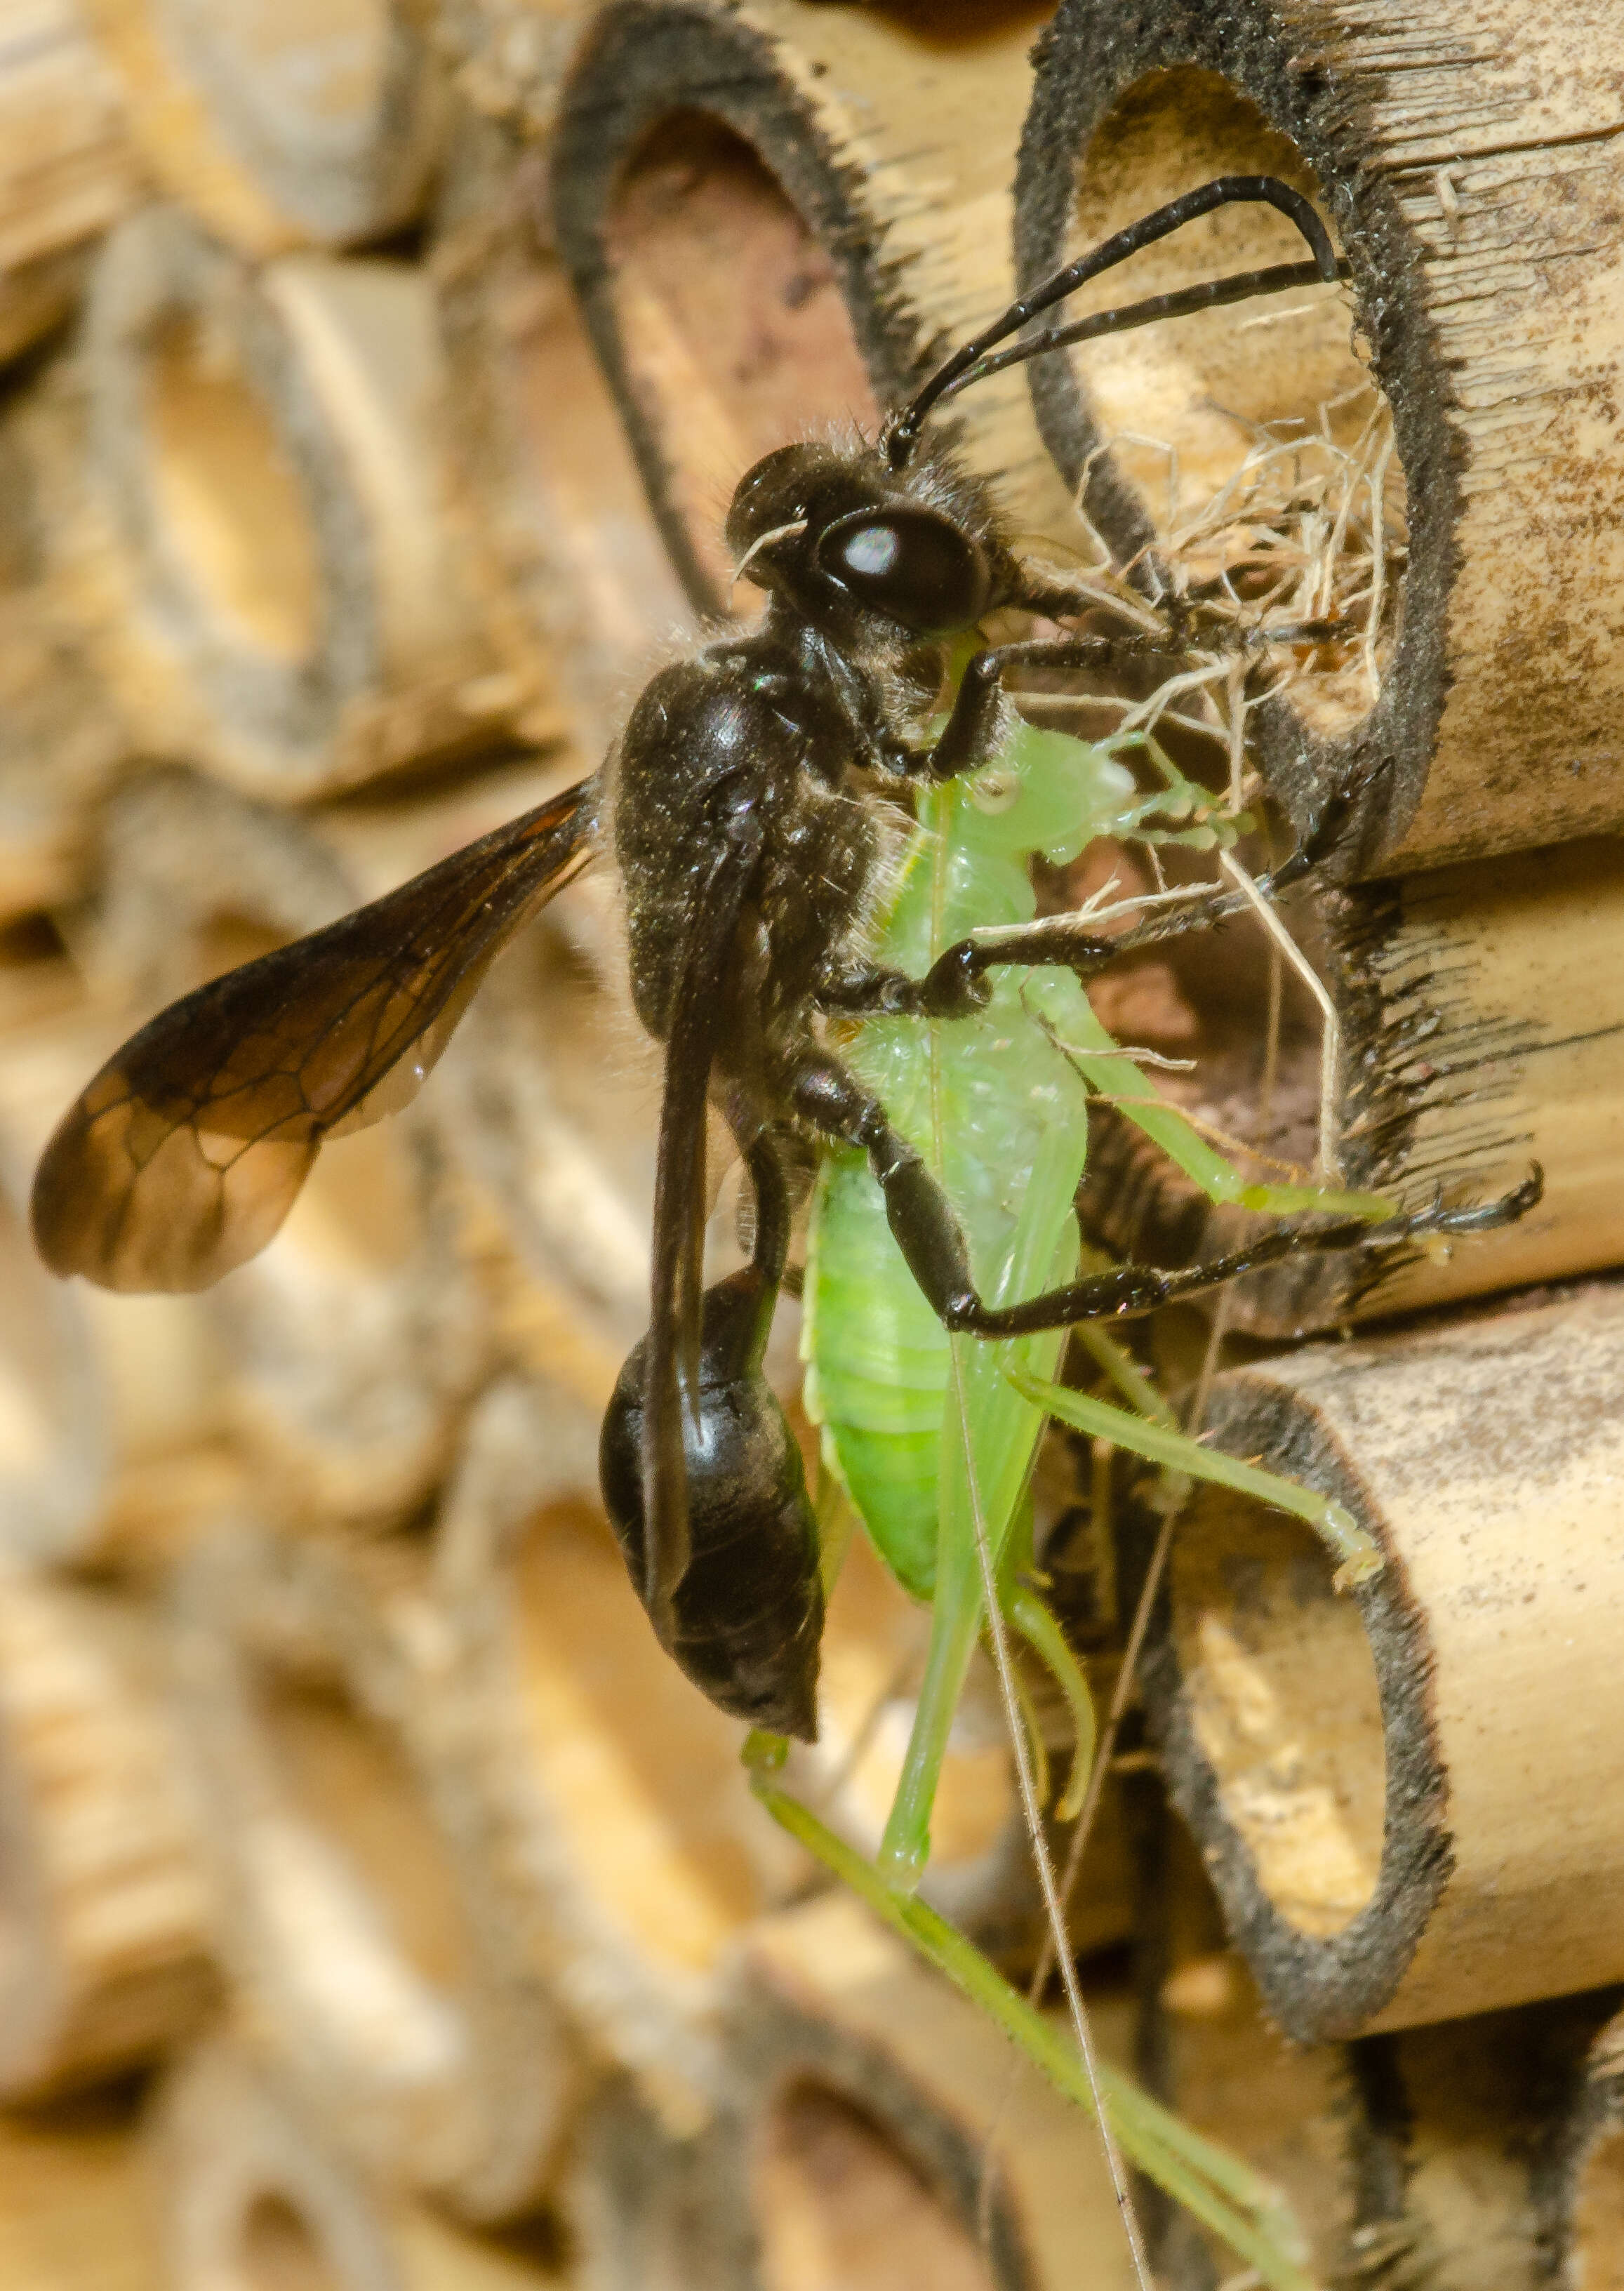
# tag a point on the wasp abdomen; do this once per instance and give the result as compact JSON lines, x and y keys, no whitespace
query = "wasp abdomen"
{"x":748,"y":1613}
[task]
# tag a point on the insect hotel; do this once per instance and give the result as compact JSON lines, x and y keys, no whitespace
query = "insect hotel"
{"x":811,"y":1047}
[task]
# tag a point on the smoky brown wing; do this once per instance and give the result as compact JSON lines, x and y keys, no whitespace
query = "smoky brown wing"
{"x":186,"y":1152}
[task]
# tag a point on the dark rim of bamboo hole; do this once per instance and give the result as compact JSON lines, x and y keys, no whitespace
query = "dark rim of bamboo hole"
{"x":1199,"y":384}
{"x":825,"y":2168}
{"x":1284,"y":1705}
{"x":736,"y":335}
{"x":226,"y":498}
{"x":382,"y":1833}
{"x":281,"y":2247}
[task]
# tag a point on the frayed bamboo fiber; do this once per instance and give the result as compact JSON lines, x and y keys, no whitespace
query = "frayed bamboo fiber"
{"x":369,"y":1954}
{"x":1406,"y":1795}
{"x":1467,"y":153}
{"x":281,"y":127}
{"x":106,"y":1908}
{"x":67,"y":169}
{"x":286,"y":598}
{"x":776,"y":216}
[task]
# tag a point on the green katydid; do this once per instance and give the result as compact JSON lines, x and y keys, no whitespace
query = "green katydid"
{"x":932,"y":1437}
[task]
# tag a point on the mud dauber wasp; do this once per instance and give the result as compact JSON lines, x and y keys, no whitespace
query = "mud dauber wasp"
{"x":740,"y":810}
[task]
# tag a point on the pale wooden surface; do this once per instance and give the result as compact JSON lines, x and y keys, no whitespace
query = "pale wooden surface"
{"x":1422,"y":1822}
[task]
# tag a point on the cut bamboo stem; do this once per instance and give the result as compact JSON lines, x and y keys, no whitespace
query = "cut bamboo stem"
{"x":265,"y":451}
{"x":371,"y":1961}
{"x":1468,"y":161}
{"x":776,"y":215}
{"x":106,"y":1908}
{"x":545,"y":478}
{"x":1451,"y":2157}
{"x":1405,"y":1794}
{"x":1481,"y":1020}
{"x":281,"y":127}
{"x":350,"y":1347}
{"x":67,"y":169}
{"x":867,"y":2100}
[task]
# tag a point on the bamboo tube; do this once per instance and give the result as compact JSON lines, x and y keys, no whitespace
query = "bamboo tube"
{"x":264,"y":452}
{"x":546,"y":482}
{"x":350,"y":1344}
{"x":371,"y":1964}
{"x":67,"y":170}
{"x":865,"y":2098}
{"x":775,"y":216}
{"x":107,"y":1911}
{"x":1450,"y":2142}
{"x":1467,"y":161}
{"x":281,"y":127}
{"x":1405,"y":1794}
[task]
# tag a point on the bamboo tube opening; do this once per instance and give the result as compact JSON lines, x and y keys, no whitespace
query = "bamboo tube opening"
{"x":737,"y":336}
{"x":841,"y":2207}
{"x":1285,"y":1707}
{"x":280,"y":2250}
{"x":229,"y":493}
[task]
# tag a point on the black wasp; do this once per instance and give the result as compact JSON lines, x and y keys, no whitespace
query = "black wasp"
{"x":742,"y":811}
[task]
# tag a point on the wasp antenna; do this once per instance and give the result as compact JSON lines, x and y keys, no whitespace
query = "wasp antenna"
{"x":900,"y":433}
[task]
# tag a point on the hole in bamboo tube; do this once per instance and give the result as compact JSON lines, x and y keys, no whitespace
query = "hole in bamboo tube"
{"x":840,"y":2206}
{"x":639,"y":1767}
{"x":1596,"y":2243}
{"x":346,"y":1780}
{"x":228,"y":495}
{"x":280,"y":2251}
{"x":1283,"y":1700}
{"x":306,"y":77}
{"x":1199,"y":386}
{"x":736,"y":337}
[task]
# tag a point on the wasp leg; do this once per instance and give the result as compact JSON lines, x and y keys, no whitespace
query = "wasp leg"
{"x":928,"y":1232}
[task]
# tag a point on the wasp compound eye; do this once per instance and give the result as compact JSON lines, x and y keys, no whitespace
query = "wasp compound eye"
{"x":914,"y":566}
